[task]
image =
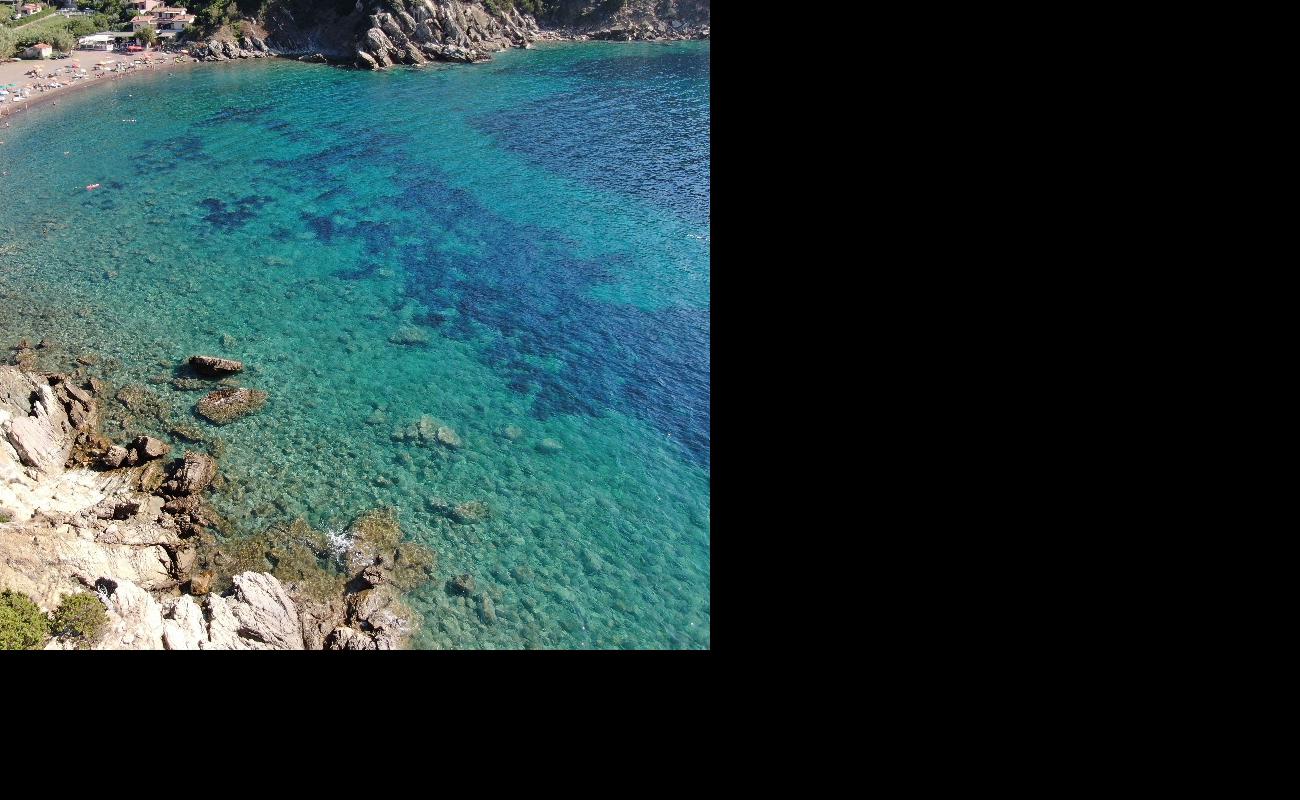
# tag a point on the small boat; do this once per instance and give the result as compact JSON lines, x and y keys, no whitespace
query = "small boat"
{"x":92,"y":186}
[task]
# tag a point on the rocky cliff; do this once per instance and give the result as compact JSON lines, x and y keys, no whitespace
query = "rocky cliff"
{"x":627,"y":20}
{"x":377,"y":34}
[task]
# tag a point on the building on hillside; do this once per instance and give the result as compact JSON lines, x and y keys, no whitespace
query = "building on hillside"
{"x":166,"y":20}
{"x":28,"y":9}
{"x":39,"y":50}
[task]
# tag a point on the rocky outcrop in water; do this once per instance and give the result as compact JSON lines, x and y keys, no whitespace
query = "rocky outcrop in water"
{"x":214,"y":367}
{"x":441,"y":30}
{"x":381,"y":566}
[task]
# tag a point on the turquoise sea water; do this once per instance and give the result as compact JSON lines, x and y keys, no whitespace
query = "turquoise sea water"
{"x":517,"y":251}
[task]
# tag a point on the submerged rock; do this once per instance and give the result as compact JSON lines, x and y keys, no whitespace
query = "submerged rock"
{"x":190,"y":385}
{"x":470,"y":512}
{"x":486,"y":610}
{"x":187,"y":432}
{"x":227,"y":405}
{"x":215,"y":367}
{"x":448,"y":437}
{"x":411,"y":336}
{"x":549,"y":446}
{"x":462,"y":584}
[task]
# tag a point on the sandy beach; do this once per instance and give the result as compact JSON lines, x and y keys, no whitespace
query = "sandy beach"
{"x":54,"y":70}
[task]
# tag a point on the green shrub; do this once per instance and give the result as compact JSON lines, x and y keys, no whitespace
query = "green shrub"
{"x":81,"y":26}
{"x":61,"y":41}
{"x":80,"y":616}
{"x":23,"y":626}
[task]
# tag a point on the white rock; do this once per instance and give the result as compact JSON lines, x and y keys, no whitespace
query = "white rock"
{"x":183,"y":627}
{"x":259,"y":616}
{"x":134,"y":620}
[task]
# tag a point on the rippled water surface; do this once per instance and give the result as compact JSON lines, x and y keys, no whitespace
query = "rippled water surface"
{"x":517,"y":251}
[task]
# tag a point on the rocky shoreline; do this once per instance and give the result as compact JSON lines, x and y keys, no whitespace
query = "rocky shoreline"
{"x":416,"y":32}
{"x":82,"y":514}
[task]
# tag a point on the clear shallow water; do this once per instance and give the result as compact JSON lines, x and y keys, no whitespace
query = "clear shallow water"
{"x":535,"y":229}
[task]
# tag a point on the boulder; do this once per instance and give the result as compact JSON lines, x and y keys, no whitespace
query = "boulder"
{"x":150,"y":448}
{"x":35,"y":425}
{"x":258,"y":615}
{"x":227,"y":405}
{"x":376,"y":41}
{"x":78,"y":403}
{"x":115,"y":457}
{"x":190,"y":475}
{"x":380,"y":613}
{"x":216,"y":367}
{"x":372,"y":576}
{"x":344,"y":638}
{"x":183,"y":624}
{"x":134,"y":617}
{"x":201,"y":583}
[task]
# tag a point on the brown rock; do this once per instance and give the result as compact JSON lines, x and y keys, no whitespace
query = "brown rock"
{"x":115,"y":457}
{"x":216,"y":367}
{"x":201,"y":583}
{"x":227,"y":405}
{"x":191,"y":474}
{"x":150,"y":448}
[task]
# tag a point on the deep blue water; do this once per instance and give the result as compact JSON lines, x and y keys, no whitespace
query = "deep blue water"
{"x":518,"y":250}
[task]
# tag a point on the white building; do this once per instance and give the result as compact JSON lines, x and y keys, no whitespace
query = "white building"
{"x":97,"y":41}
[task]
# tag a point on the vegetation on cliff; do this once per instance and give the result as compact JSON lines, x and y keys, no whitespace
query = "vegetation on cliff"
{"x":81,"y":618}
{"x":23,"y":626}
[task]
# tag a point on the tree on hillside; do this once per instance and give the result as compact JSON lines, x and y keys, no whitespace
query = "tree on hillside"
{"x":61,"y":41}
{"x":147,"y":35}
